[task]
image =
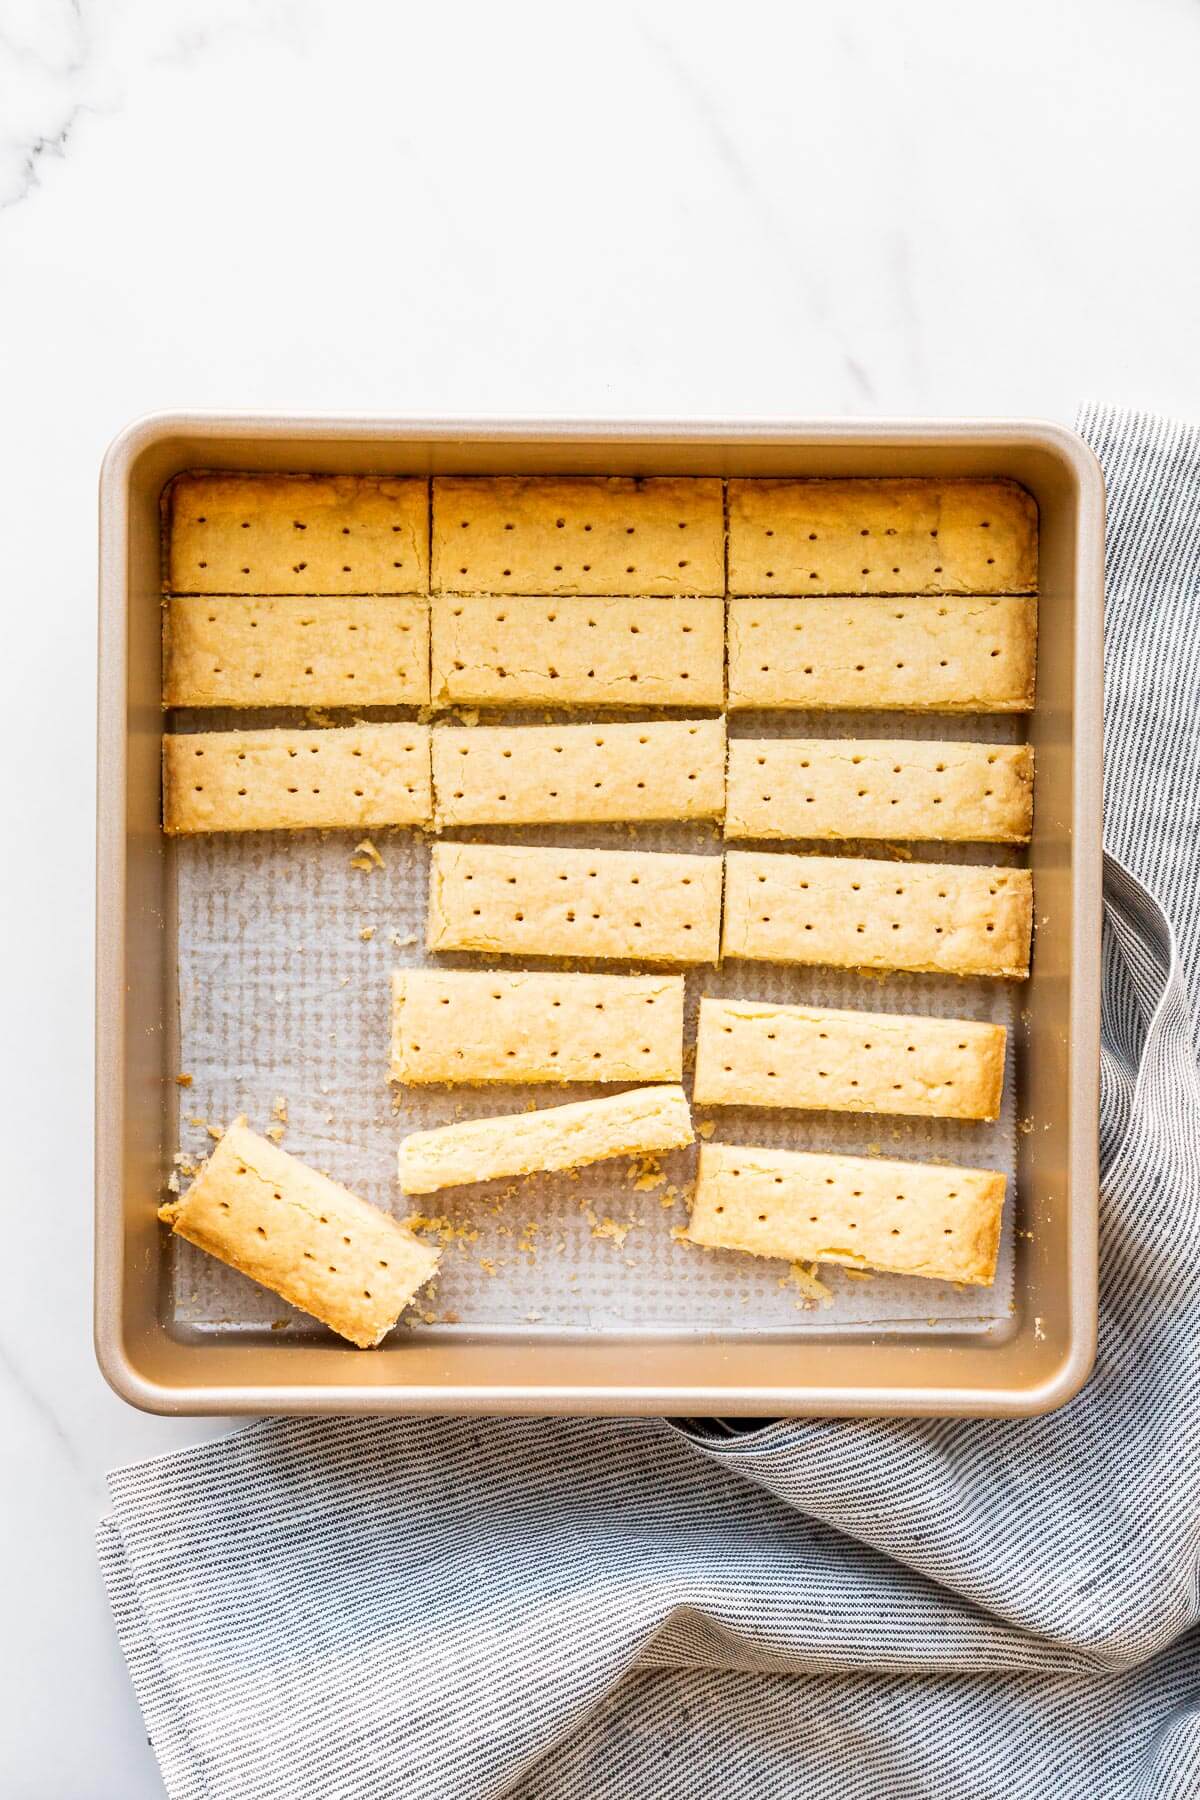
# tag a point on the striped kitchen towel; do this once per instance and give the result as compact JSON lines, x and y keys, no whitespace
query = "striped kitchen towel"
{"x":860,"y":1609}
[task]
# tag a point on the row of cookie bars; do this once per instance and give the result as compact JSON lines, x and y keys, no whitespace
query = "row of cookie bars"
{"x":361,"y":776}
{"x":594,"y":535}
{"x":918,"y":654}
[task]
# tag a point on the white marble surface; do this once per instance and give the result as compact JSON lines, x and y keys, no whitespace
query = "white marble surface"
{"x":640,"y":209}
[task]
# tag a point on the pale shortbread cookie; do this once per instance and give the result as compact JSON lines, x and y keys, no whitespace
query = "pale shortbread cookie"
{"x":297,"y":534}
{"x":570,"y":774}
{"x":526,"y":900}
{"x":902,"y":655}
{"x":591,"y":534}
{"x":487,"y":1025}
{"x":639,"y":1123}
{"x":283,"y":780}
{"x":305,"y":1237}
{"x":863,"y":1212}
{"x":567,"y":652}
{"x":238,"y":650}
{"x":848,"y":912}
{"x":882,"y":536}
{"x":753,"y":1053}
{"x":879,"y":788}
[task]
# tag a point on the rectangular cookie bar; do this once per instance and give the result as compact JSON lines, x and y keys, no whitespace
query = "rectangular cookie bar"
{"x":283,"y":780}
{"x":525,"y":900}
{"x":485,"y":1025}
{"x":487,"y":651}
{"x":531,"y":774}
{"x":638,"y":1123}
{"x":861,"y":1211}
{"x":879,"y":788}
{"x":754,"y":1053}
{"x":882,"y":536}
{"x":297,"y":534}
{"x":903,"y":655}
{"x":237,"y":650}
{"x":851,"y":913}
{"x":577,"y":534}
{"x":303,"y":1236}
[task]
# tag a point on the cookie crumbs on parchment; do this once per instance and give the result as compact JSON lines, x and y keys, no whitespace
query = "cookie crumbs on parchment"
{"x":469,"y":716}
{"x":183,"y":1081}
{"x":279,"y":1108}
{"x":533,"y":1318}
{"x":316,"y":715}
{"x":1025,"y":1126}
{"x":646,"y":1173}
{"x":1037,"y":1327}
{"x":280,"y":1324}
{"x":705,"y":1127}
{"x":366,"y":857}
{"x":367,"y":933}
{"x":215,"y":1132}
{"x":865,"y":1275}
{"x":814,"y":1290}
{"x":610,"y":1228}
{"x":679,"y":1233}
{"x":173,"y":1181}
{"x":275,"y":1133}
{"x":405,"y":942}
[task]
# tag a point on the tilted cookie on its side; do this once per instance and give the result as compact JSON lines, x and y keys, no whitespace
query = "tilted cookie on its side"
{"x":639,"y":1123}
{"x":860,"y":1211}
{"x":303,"y":1235}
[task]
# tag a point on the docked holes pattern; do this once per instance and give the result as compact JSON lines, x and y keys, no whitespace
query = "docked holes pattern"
{"x":302,"y":525}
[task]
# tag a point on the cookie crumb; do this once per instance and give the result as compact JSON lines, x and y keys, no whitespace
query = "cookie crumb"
{"x":366,"y":857}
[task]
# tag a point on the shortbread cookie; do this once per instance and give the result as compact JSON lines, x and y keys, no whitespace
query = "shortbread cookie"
{"x":591,"y":534}
{"x":487,"y":1025}
{"x":524,"y":900}
{"x":879,"y":788}
{"x":297,"y":534}
{"x":281,"y":780}
{"x":573,"y":774}
{"x":234,"y":650}
{"x":860,"y":1211}
{"x":903,"y":655}
{"x":882,"y":536}
{"x":949,"y":919}
{"x":567,"y":652}
{"x":302,"y":1235}
{"x":639,"y":1123}
{"x":753,"y":1053}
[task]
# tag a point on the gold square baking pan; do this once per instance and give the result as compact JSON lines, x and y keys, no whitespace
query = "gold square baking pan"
{"x":1041,"y":1354}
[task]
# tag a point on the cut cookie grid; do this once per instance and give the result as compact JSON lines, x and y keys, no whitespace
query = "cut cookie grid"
{"x":278,"y":951}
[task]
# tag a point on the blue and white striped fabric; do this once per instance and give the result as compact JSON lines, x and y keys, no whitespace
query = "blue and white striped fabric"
{"x":858,"y":1609}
